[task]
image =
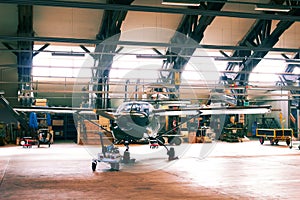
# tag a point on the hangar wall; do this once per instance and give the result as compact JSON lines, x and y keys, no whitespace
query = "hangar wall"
{"x":9,"y":76}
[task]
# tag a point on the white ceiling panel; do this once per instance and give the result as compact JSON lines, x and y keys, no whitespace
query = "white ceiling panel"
{"x":66,"y":22}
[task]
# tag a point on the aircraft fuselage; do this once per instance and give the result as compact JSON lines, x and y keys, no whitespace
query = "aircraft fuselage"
{"x":133,"y":121}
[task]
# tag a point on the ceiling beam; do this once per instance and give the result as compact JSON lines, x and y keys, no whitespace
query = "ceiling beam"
{"x":40,"y":49}
{"x":112,"y":21}
{"x":193,"y":28}
{"x":146,"y":44}
{"x":267,"y":42}
{"x":156,"y":9}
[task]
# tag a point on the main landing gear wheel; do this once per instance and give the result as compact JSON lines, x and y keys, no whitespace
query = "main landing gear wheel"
{"x":288,"y":142}
{"x":94,"y":165}
{"x":126,"y":158}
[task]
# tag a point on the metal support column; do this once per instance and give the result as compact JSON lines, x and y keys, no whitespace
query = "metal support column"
{"x":24,"y":57}
{"x":111,"y":26}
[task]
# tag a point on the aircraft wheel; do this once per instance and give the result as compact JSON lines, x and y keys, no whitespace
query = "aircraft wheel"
{"x":171,"y":153}
{"x":94,"y":165}
{"x":115,"y":166}
{"x":126,"y":157}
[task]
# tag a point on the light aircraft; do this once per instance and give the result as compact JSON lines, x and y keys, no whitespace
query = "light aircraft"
{"x":136,"y":120}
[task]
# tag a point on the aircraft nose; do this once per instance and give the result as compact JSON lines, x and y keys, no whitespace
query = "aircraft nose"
{"x":123,"y":122}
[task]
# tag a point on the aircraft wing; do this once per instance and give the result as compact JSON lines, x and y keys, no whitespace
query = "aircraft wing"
{"x":215,"y":110}
{"x":176,"y":112}
{"x":236,"y":110}
{"x":53,"y":109}
{"x":252,"y":109}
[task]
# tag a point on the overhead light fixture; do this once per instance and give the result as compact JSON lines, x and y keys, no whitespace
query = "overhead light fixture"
{"x":229,"y":59}
{"x":68,"y":54}
{"x":272,"y":7}
{"x":181,"y":2}
{"x":151,"y":56}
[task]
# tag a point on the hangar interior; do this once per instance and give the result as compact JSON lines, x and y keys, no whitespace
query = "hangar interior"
{"x":96,"y":54}
{"x":62,"y":57}
{"x":115,"y":51}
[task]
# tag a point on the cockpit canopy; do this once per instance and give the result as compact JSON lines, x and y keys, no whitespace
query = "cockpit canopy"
{"x":137,"y":106}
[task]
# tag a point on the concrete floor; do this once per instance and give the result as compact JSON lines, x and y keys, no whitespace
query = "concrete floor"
{"x":227,"y":171}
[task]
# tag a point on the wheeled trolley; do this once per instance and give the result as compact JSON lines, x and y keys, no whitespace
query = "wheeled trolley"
{"x":44,"y":137}
{"x":110,"y":154}
{"x":27,"y":142}
{"x":275,"y":135}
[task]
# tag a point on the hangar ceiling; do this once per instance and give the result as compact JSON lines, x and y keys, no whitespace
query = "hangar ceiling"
{"x":234,"y":29}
